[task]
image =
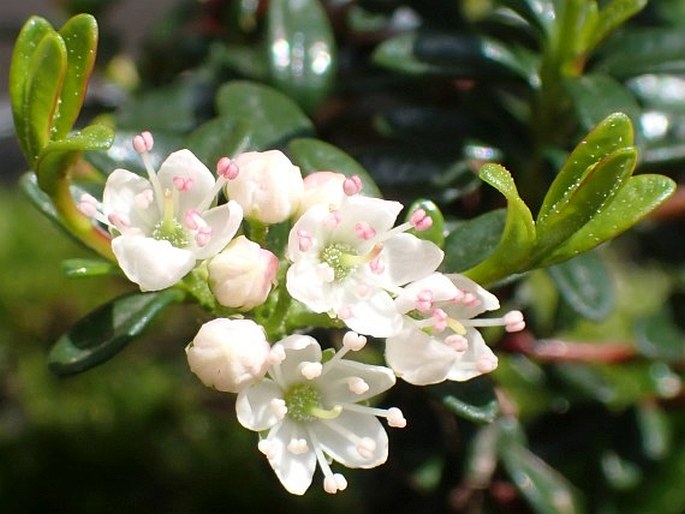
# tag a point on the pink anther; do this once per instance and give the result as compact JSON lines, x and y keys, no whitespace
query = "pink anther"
{"x":204,"y":234}
{"x":88,"y":206}
{"x":439,"y":320}
{"x":470,"y":300}
{"x":424,"y":300}
{"x":193,"y":220}
{"x":457,"y":342}
{"x":117,"y":221}
{"x":182,"y":183}
{"x":143,"y":142}
{"x":377,"y":265}
{"x":227,"y":169}
{"x":420,"y":220}
{"x":333,"y":219}
{"x":364,"y":231}
{"x":304,"y":240}
{"x":352,"y":185}
{"x":513,"y":321}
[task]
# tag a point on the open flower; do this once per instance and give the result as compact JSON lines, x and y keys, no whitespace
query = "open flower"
{"x":164,"y":224}
{"x":351,"y":262}
{"x":312,"y":412}
{"x":439,"y":340}
{"x":229,"y":354}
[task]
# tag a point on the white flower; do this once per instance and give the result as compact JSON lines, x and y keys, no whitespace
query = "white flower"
{"x":351,"y":262}
{"x":241,"y":276}
{"x":439,"y":341}
{"x":312,"y":412}
{"x":229,"y":354}
{"x":268,"y":187}
{"x":164,"y":224}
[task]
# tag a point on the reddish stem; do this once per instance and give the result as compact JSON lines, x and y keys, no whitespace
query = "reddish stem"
{"x":557,"y":350}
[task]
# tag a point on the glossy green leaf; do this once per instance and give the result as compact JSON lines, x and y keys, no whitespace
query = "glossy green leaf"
{"x":40,"y":200}
{"x":47,"y":68}
{"x":80,"y":35}
{"x":272,"y":119}
{"x":472,"y":241}
{"x":301,"y":50}
{"x":474,"y":400}
{"x":107,"y":330}
{"x":641,"y":51}
{"x":82,"y":268}
{"x":218,"y":138}
{"x":640,"y":196}
{"x":658,"y":337}
{"x":596,"y":96}
{"x":542,"y":12}
{"x":595,"y":190}
{"x":585,"y":284}
{"x":613,"y":133}
{"x":436,"y":232}
{"x":518,"y":237}
{"x":612,"y":16}
{"x":57,"y":156}
{"x":315,"y":155}
{"x":32,"y":33}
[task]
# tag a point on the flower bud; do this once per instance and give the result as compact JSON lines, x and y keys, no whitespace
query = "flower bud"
{"x":229,"y":354}
{"x":268,"y":186}
{"x":322,"y":187}
{"x":242,"y":275}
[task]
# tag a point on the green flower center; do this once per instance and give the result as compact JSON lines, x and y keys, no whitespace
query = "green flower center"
{"x":302,"y":400}
{"x":172,"y":231}
{"x":337,"y":256}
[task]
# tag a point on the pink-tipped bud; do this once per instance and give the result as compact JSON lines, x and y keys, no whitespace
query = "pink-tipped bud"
{"x":420,"y":220}
{"x":143,"y":142}
{"x":364,"y":231}
{"x":227,"y":169}
{"x":352,"y":185}
{"x":513,"y":321}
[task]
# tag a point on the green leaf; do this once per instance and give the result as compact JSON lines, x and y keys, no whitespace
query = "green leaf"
{"x":474,"y":400}
{"x":107,"y":330}
{"x":612,"y":16}
{"x":81,"y":268}
{"x":543,"y":487}
{"x":80,"y":35}
{"x":518,"y":237}
{"x":613,"y":133}
{"x":655,"y":429}
{"x":218,"y":138}
{"x":315,"y":155}
{"x":46,"y":75}
{"x":436,"y":232}
{"x":301,"y":50}
{"x":32,"y":33}
{"x":271,"y":118}
{"x":472,"y":241}
{"x":640,"y":196}
{"x":596,"y":96}
{"x":585,"y":284}
{"x":658,"y":337}
{"x":620,"y":473}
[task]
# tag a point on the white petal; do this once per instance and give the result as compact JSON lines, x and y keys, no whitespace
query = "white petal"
{"x":488,"y":301}
{"x":295,"y":471}
{"x":306,"y":284}
{"x":375,"y":315}
{"x":465,"y":367}
{"x":343,"y":449}
{"x":439,"y":285}
{"x":379,"y":214}
{"x":253,"y":405}
{"x":418,"y":358}
{"x":298,"y":348}
{"x":183,"y":163}
{"x":152,"y":264}
{"x":119,"y":197}
{"x":224,"y":221}
{"x":333,"y":384}
{"x":311,"y":223}
{"x":408,"y":258}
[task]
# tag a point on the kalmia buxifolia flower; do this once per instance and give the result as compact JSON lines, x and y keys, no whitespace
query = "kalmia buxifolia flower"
{"x":350,"y":262}
{"x":268,"y":187}
{"x":439,"y":339}
{"x":229,"y":354}
{"x":322,"y":187}
{"x":163,"y":224}
{"x":242,"y":275}
{"x":313,"y":411}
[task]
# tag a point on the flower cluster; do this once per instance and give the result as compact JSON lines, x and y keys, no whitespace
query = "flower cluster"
{"x":346,"y":262}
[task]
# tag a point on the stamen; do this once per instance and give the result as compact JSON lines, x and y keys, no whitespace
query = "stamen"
{"x":333,"y":219}
{"x":470,"y":300}
{"x":440,"y":320}
{"x":349,"y":260}
{"x":377,"y":265}
{"x":395,"y":418}
{"x":183,"y":183}
{"x":353,"y":341}
{"x":457,"y":342}
{"x":268,"y":448}
{"x":227,"y":169}
{"x":352,"y":185}
{"x":203,"y":236}
{"x":298,"y":446}
{"x":144,"y":199}
{"x":357,"y":385}
{"x":143,"y":142}
{"x":118,"y":222}
{"x":278,"y":407}
{"x":88,"y":205}
{"x":310,"y":370}
{"x":393,"y":415}
{"x":514,"y":321}
{"x":424,"y":300}
{"x":304,"y":240}
{"x":334,"y":483}
{"x":420,"y":220}
{"x":364,"y":231}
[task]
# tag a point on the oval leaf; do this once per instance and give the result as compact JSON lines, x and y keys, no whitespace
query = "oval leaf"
{"x":472,"y":241}
{"x":81,"y":268}
{"x":301,"y":50}
{"x":585,"y":284}
{"x":436,"y":232}
{"x":107,"y":330}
